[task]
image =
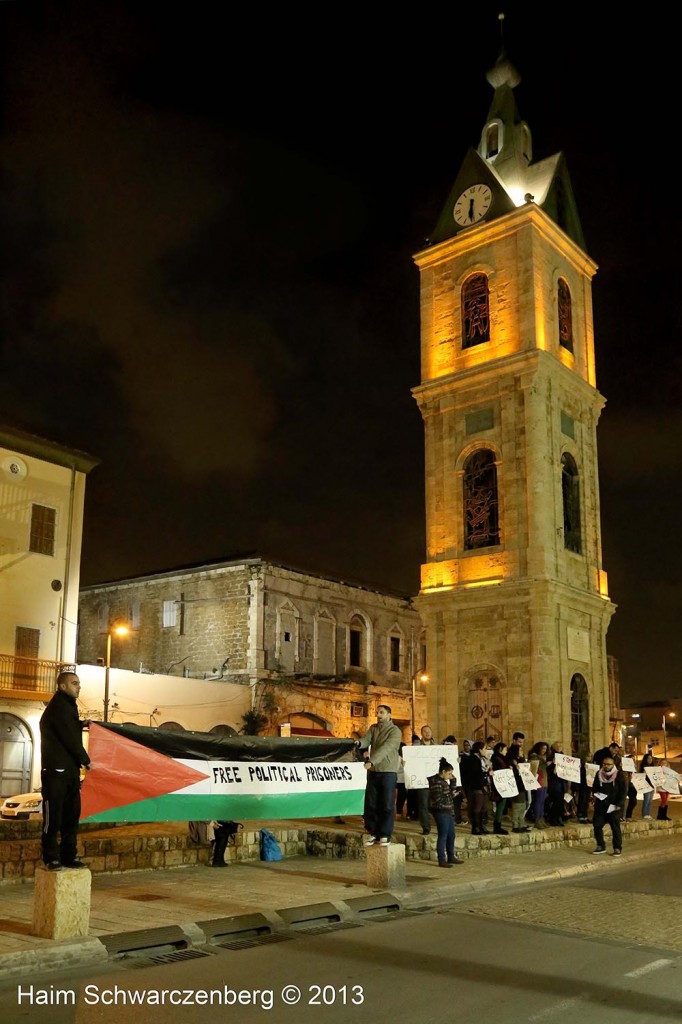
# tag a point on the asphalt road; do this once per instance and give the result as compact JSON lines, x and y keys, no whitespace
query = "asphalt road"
{"x":605,"y":949}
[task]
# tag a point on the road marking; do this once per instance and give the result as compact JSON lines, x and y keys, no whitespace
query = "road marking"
{"x":551,"y":1011}
{"x":655,"y":965}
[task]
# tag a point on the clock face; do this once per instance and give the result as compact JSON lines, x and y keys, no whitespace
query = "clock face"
{"x":472,"y":205}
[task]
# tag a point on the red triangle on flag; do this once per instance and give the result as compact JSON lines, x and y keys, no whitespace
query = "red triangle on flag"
{"x":124,"y":772}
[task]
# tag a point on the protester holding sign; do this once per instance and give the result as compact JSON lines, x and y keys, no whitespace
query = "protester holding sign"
{"x":480,"y":789}
{"x":556,"y":786}
{"x":647,"y":762}
{"x":518,"y":803}
{"x":499,"y":763}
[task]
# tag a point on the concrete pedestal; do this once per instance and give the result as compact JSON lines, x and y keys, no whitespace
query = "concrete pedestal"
{"x":61,"y":903}
{"x":386,"y":866}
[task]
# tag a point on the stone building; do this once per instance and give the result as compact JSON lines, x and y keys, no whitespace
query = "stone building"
{"x":513,"y":594}
{"x":318,"y":654}
{"x":42,"y":493}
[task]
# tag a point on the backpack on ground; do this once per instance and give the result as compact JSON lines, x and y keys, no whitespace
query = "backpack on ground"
{"x":269,"y":847}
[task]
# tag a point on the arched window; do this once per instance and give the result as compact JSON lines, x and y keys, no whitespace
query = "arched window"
{"x":570,"y":491}
{"x":565,"y":315}
{"x":171,"y":727}
{"x":580,"y":717}
{"x":475,"y":311}
{"x":223,"y":730}
{"x":356,"y":642}
{"x":481,"y":518}
{"x":492,"y":140}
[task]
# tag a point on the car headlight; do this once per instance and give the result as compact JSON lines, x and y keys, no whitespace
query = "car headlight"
{"x":31,"y":804}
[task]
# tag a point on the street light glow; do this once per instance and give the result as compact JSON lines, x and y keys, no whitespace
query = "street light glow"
{"x":117,"y":631}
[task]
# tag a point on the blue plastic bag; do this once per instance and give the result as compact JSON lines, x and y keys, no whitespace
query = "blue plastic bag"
{"x":269,"y":847}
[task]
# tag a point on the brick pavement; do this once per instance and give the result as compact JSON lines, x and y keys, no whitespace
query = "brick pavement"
{"x":189,"y":895}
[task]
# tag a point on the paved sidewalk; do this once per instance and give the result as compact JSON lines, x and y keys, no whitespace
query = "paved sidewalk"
{"x":188,"y":900}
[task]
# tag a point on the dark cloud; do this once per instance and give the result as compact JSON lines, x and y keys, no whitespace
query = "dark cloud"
{"x":208,"y":225}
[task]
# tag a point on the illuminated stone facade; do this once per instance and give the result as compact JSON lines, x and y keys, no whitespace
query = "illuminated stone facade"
{"x":317,"y":653}
{"x":516,"y":623}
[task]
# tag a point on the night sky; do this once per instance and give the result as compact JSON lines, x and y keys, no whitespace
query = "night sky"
{"x":208,"y":222}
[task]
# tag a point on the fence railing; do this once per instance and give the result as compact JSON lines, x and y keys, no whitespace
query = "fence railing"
{"x":35,"y":676}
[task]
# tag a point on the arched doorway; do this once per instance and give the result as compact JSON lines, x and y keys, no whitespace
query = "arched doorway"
{"x":16,"y":755}
{"x":304,"y":724}
{"x":484,"y":714}
{"x":580,"y":718}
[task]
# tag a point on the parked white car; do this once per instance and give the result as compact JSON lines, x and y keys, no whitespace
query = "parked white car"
{"x":22,"y":807}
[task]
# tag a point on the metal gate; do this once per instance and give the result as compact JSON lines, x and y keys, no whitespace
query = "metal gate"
{"x":16,"y":756}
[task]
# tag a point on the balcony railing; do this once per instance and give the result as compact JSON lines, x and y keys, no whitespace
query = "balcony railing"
{"x":29,"y":678}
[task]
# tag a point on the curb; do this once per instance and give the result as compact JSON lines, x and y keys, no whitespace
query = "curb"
{"x":255,"y":927}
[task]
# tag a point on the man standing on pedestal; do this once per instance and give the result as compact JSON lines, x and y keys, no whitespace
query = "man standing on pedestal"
{"x":62,"y":754}
{"x":381,"y":751}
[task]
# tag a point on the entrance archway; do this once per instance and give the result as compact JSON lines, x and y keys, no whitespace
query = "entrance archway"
{"x":16,"y":755}
{"x":484,"y":714}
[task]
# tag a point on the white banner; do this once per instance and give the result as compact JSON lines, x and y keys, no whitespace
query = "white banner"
{"x":628,"y":764}
{"x":420,"y":762}
{"x":590,"y":772}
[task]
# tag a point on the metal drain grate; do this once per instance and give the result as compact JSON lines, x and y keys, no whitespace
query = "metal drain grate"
{"x":167,"y":958}
{"x":261,"y":940}
{"x":322,"y":929}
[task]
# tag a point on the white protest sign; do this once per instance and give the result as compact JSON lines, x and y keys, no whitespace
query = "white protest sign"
{"x":528,"y":779}
{"x":656,"y":776}
{"x":641,"y":783}
{"x":628,"y":764}
{"x":505,"y":783}
{"x":420,"y":762}
{"x":567,"y":767}
{"x":671,"y":783}
{"x":590,"y":772}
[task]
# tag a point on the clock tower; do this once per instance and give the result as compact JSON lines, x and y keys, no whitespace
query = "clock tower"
{"x":513,"y":592}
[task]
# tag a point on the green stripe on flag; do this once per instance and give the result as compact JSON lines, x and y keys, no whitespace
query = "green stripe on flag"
{"x":198,"y":807}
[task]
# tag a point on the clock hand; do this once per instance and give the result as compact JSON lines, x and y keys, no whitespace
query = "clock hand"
{"x":471,"y":208}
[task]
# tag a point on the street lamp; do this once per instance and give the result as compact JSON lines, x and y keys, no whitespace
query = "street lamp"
{"x":669,"y":714}
{"x":423,"y":678}
{"x":119,"y":631}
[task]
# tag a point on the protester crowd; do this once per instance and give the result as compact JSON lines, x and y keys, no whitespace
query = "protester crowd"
{"x":501,"y":783}
{"x":604,"y":795}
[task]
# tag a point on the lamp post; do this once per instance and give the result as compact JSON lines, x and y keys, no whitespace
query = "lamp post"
{"x":423,"y":678}
{"x":119,"y":631}
{"x":670,"y":714}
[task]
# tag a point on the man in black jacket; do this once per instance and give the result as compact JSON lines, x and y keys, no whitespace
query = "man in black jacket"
{"x":609,"y":790}
{"x":611,"y":751}
{"x":62,"y":754}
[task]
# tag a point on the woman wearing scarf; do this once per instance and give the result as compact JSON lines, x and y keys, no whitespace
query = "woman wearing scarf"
{"x":609,"y":791}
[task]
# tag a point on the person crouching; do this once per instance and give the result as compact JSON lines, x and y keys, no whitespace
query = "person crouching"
{"x":609,"y":791}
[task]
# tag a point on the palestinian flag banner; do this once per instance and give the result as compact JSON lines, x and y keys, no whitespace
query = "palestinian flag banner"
{"x":144,"y":774}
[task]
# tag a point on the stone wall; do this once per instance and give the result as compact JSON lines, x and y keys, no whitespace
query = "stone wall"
{"x":127,"y":848}
{"x":211,"y":627}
